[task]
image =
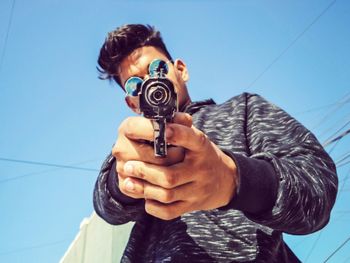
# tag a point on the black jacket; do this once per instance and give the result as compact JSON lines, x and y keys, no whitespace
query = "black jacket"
{"x":288,"y":184}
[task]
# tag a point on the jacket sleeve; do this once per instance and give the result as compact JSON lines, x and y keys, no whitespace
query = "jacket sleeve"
{"x":109,"y":202}
{"x":287,"y":182}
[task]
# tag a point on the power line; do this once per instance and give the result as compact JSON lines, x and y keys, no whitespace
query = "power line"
{"x":337,"y":249}
{"x":332,"y":149}
{"x":342,"y":101}
{"x":319,"y":108}
{"x":7,"y":34}
{"x":343,"y":180}
{"x":313,"y":246}
{"x":341,"y":190}
{"x":337,"y":131}
{"x":343,"y":158}
{"x":291,"y":44}
{"x":49,"y":164}
{"x":332,"y":126}
{"x":337,"y":142}
{"x":343,"y":212}
{"x":342,"y":164}
{"x":337,"y":138}
{"x":18,"y":177}
{"x":34,"y":247}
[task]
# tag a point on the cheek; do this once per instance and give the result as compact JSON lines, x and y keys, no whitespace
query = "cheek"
{"x":177,"y":81}
{"x":179,"y":86}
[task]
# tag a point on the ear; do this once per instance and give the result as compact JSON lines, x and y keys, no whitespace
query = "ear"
{"x":182,"y":69}
{"x":132,"y":104}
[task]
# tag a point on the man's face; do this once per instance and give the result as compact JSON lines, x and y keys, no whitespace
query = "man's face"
{"x":136,"y":65}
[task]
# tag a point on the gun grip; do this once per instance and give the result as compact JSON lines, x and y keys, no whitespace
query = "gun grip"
{"x":160,"y":145}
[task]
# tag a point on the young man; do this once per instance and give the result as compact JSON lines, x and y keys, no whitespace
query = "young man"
{"x":238,"y":175}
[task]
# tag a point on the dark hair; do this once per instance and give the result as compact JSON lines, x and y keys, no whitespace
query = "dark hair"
{"x":122,"y":42}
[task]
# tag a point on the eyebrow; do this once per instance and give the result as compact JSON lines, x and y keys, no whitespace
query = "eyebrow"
{"x":137,"y":75}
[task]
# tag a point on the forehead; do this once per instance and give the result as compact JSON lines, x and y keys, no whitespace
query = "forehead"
{"x":136,"y":64}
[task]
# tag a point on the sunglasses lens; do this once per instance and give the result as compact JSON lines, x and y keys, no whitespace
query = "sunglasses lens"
{"x":158,"y":66}
{"x":132,"y":86}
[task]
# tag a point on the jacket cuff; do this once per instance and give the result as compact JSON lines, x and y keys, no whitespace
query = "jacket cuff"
{"x":113,"y":188}
{"x":257,"y":187}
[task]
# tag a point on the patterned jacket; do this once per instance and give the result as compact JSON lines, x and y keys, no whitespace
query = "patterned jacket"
{"x":287,"y":183}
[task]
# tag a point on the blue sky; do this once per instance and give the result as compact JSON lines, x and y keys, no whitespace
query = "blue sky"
{"x":54,"y":109}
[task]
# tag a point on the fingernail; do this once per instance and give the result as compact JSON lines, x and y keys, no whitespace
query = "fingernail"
{"x":169,"y":132}
{"x":128,"y":168}
{"x":129,"y":185}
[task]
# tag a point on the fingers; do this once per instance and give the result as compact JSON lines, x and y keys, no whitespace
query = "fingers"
{"x":135,"y":133}
{"x":166,"y":211}
{"x":188,"y":137}
{"x":140,"y":128}
{"x":137,"y":128}
{"x":125,"y":150}
{"x":168,"y":196}
{"x":183,"y":119}
{"x":131,"y":187}
{"x":165,"y":177}
{"x":137,"y":188}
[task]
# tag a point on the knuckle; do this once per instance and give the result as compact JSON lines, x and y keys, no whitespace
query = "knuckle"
{"x":117,"y":152}
{"x":164,"y":212}
{"x":168,"y":196}
{"x":140,"y":171}
{"x":146,"y":195}
{"x":188,"y":119}
{"x":122,"y":126}
{"x":149,"y":208}
{"x":170,"y":179}
{"x":202,"y":139}
{"x":120,"y":167}
{"x":121,"y":185}
{"x":126,"y":127}
{"x":129,"y":131}
{"x":167,"y":214}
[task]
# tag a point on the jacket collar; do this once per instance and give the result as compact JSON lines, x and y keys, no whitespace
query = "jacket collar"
{"x":193,"y":107}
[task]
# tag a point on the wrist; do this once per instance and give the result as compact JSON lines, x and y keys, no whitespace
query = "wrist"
{"x":257,"y":185}
{"x":231,"y":180}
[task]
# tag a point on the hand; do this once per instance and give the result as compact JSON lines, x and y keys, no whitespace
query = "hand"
{"x":131,"y":145}
{"x":205,"y":179}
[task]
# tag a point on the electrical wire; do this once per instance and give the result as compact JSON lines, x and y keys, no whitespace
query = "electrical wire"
{"x":337,"y":131}
{"x":343,"y":212}
{"x":318,"y":108}
{"x":342,"y":101}
{"x":7,"y":34}
{"x":39,"y":172}
{"x":342,"y":188}
{"x":343,"y":164}
{"x":292,"y":43}
{"x":336,"y":138}
{"x":332,"y":125}
{"x":34,"y":247}
{"x":49,"y":164}
{"x":313,"y":246}
{"x":343,"y":158}
{"x":337,"y":249}
{"x":333,"y":147}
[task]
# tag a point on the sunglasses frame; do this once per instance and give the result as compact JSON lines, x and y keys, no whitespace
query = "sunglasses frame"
{"x":135,"y":88}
